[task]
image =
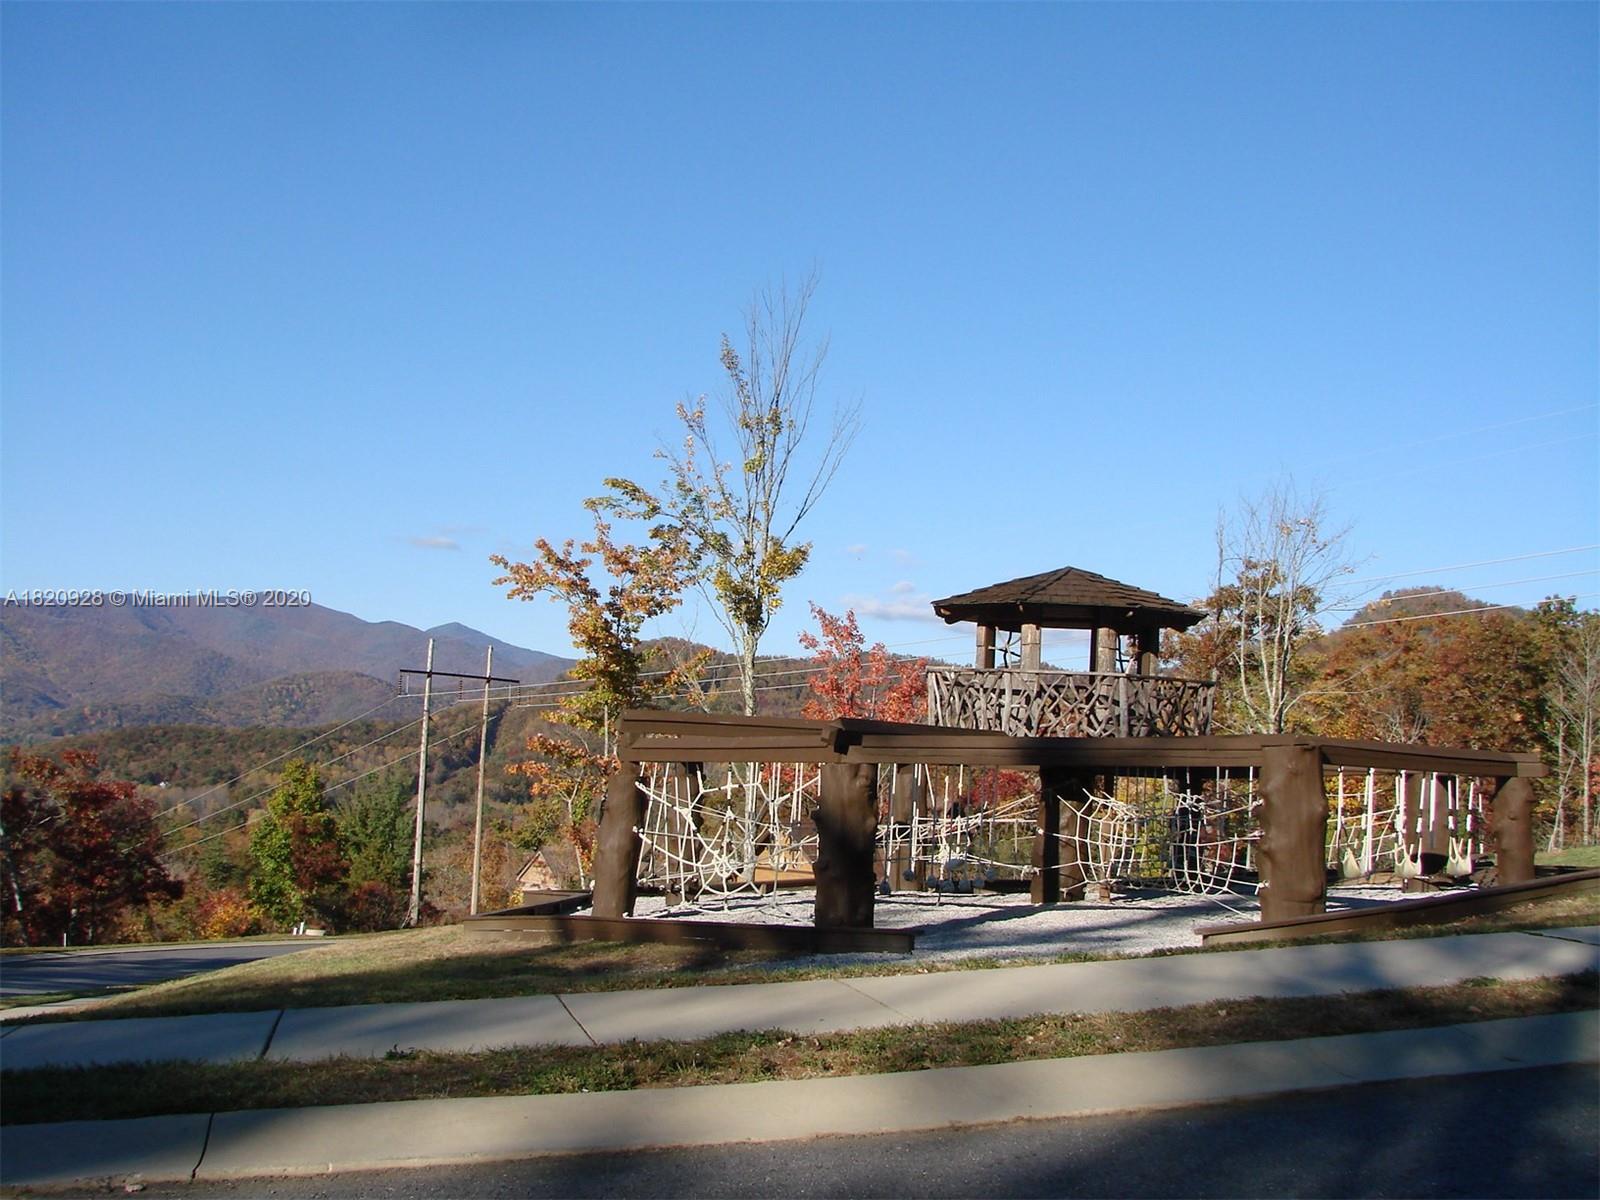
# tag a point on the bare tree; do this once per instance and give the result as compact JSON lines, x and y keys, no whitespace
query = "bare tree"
{"x":1277,"y":561}
{"x":1574,"y":698}
{"x":740,"y":510}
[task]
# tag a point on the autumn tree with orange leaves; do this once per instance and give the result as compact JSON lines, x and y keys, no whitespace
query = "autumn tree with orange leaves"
{"x":853,"y":681}
{"x":612,"y":589}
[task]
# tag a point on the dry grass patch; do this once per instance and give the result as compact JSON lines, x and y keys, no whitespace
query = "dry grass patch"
{"x":420,"y":964}
{"x":61,"y":1094}
{"x":448,"y":963}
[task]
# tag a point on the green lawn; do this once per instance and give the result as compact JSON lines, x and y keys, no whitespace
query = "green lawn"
{"x":1576,"y":856}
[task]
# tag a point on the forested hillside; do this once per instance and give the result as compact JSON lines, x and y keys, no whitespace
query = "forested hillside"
{"x":66,"y":670}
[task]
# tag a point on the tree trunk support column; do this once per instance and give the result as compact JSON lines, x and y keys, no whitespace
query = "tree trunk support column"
{"x":1513,"y":831}
{"x":847,"y":825}
{"x":1046,"y":844}
{"x":1294,"y":827}
{"x":616,"y":858}
{"x":1032,"y":647}
{"x":984,"y":659}
{"x":1060,"y":858}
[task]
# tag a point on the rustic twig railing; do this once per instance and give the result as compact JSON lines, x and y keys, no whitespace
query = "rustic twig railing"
{"x":1025,"y":703}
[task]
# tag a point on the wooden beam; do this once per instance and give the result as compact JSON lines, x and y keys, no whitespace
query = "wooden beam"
{"x":1396,"y":914}
{"x":675,"y":737}
{"x":724,"y":935}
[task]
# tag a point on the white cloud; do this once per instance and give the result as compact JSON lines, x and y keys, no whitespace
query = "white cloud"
{"x":857,"y":550}
{"x":904,"y":588}
{"x":910,"y":609}
{"x":433,"y":543}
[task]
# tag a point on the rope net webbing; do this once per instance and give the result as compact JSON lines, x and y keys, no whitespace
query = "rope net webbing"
{"x":745,"y":829}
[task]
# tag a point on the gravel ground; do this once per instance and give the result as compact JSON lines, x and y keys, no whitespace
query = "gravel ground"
{"x":982,"y":925}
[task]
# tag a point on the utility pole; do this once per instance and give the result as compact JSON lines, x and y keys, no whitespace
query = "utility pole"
{"x":483,"y":754}
{"x":487,"y":679}
{"x":414,"y":914}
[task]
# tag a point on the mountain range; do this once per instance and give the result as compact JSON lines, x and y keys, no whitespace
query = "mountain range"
{"x":66,"y":670}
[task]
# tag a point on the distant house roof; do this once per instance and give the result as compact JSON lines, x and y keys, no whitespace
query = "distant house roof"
{"x":1067,"y":598}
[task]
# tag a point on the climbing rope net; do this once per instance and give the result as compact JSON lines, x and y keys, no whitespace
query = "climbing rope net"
{"x":746,"y":829}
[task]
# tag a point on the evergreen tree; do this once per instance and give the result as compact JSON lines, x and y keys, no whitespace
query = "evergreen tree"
{"x":298,"y":864}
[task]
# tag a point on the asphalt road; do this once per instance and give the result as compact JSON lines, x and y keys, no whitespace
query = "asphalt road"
{"x":90,"y":970}
{"x":1524,"y":1133}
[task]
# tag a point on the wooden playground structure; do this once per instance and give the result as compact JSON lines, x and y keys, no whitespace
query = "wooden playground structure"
{"x":1114,"y":780}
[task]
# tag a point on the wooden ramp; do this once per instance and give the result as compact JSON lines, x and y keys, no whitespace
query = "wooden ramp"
{"x":552,"y":929}
{"x":1425,"y":910}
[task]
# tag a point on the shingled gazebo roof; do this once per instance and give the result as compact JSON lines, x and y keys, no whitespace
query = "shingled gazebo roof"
{"x":1067,"y":598}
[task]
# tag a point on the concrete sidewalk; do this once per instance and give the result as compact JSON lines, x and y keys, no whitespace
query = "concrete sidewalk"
{"x":805,"y":1007}
{"x":431,"y":1132}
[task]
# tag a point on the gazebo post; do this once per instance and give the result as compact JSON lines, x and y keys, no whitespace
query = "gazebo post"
{"x":984,"y":659}
{"x":1032,"y":647}
{"x":1148,"y":643}
{"x":1103,"y":650}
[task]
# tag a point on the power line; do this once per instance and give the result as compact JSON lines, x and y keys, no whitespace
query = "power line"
{"x":332,"y":787}
{"x":1488,"y":562}
{"x":1475,"y":587}
{"x":1452,"y":613}
{"x":1460,"y":433}
{"x":279,"y":758}
{"x":1457,"y":462}
{"x":383,"y":737}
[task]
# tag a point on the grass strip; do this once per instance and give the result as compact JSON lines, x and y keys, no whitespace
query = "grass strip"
{"x":450,"y":964}
{"x":98,"y":1093}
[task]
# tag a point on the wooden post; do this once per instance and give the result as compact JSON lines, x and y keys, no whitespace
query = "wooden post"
{"x":1149,"y":648}
{"x":483,"y":753}
{"x":1046,"y":842}
{"x":1061,"y":798}
{"x":1032,"y":647}
{"x":902,"y":809}
{"x":414,"y":913}
{"x":984,"y":660}
{"x":847,"y":824}
{"x":1103,"y":650}
{"x":1513,"y":830}
{"x":616,"y":855}
{"x":1294,"y":826}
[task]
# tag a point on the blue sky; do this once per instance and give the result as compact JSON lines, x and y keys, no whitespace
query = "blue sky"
{"x":349,"y":297}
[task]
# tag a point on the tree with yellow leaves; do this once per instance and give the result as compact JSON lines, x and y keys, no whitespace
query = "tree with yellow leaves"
{"x":738,"y":514}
